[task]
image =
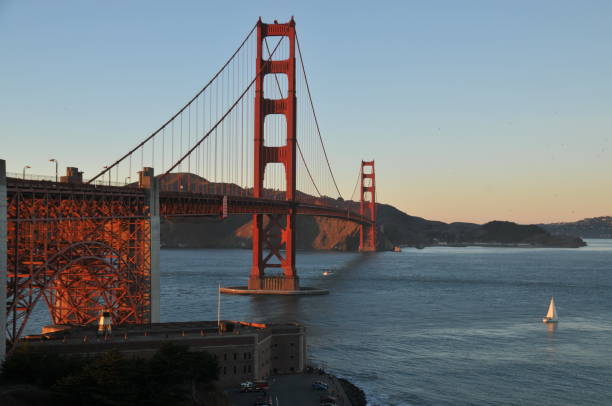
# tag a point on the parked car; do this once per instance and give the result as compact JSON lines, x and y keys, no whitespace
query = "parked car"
{"x":260,"y":386}
{"x":319,"y":386}
{"x":247,"y":386}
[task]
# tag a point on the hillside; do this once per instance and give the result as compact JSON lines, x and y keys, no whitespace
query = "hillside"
{"x":395,"y":228}
{"x":402,"y":229}
{"x":313,"y":233}
{"x":317,"y":233}
{"x":596,"y":227}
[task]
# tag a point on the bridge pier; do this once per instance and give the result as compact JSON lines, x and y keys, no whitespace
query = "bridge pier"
{"x":3,"y":258}
{"x":148,"y":181}
{"x":272,"y":283}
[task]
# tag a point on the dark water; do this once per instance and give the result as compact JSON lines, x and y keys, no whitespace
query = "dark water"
{"x":439,"y":326}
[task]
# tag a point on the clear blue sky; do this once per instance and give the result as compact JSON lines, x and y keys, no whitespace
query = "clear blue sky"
{"x":473,"y":110}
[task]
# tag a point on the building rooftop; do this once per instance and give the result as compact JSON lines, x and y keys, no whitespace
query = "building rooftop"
{"x":188,"y":332}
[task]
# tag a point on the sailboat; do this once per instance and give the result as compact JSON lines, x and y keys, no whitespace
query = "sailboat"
{"x":551,"y":316}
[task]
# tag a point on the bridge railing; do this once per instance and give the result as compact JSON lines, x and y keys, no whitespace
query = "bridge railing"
{"x":351,"y":208}
{"x":190,"y":183}
{"x":30,"y":176}
{"x":100,"y":182}
{"x":51,"y":178}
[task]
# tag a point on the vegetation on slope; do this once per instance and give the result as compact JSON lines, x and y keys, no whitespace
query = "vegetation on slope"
{"x":108,"y":379}
{"x":394,"y":228}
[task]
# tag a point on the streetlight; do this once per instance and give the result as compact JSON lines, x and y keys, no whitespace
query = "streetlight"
{"x":24,"y":169}
{"x":54,"y":160}
{"x":109,"y":176}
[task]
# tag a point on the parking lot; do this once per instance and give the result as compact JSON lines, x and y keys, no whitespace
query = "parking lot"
{"x":289,"y":390}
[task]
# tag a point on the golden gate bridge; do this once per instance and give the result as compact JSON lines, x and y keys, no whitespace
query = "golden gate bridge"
{"x":242,"y":145}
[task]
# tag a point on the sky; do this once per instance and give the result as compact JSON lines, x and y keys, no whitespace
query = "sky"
{"x":473,"y":110}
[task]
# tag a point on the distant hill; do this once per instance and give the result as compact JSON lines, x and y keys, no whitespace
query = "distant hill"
{"x":399,"y":228}
{"x":596,"y":227}
{"x":318,"y":233}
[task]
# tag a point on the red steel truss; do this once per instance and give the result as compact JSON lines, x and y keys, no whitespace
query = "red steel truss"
{"x":184,"y":204}
{"x":367,"y":208}
{"x":81,"y":249}
{"x":275,"y":233}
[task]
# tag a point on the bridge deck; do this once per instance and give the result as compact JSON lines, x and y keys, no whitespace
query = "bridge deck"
{"x":173,"y":204}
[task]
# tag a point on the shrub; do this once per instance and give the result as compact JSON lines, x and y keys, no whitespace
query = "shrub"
{"x":112,"y":378}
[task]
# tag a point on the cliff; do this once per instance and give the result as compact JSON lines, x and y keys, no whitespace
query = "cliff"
{"x":313,"y":233}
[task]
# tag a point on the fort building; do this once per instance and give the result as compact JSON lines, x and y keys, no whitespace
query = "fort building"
{"x":244,"y":351}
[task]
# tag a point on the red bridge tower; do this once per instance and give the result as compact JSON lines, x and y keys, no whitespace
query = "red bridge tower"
{"x":277,"y":231}
{"x":367,"y":208}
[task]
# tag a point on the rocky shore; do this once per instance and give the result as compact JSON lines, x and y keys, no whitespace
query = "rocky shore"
{"x":356,"y":396}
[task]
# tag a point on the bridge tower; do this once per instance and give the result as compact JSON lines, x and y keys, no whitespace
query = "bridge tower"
{"x":367,"y":208}
{"x":275,"y":233}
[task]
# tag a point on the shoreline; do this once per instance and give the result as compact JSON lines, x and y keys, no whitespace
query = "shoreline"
{"x":354,"y":393}
{"x":423,"y":246}
{"x":494,"y":245}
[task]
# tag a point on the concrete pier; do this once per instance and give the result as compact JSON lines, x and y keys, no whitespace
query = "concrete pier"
{"x":279,"y":282}
{"x":273,"y":285}
{"x":244,"y":290}
{"x":3,"y":258}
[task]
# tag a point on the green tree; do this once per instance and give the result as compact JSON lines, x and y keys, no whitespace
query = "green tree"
{"x":112,"y":379}
{"x":44,"y":369}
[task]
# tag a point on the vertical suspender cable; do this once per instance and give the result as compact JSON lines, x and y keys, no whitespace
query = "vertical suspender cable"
{"x":180,"y":111}
{"x":315,"y":114}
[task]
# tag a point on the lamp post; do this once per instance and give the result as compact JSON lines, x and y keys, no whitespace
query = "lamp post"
{"x":109,"y":176}
{"x":54,"y":160}
{"x":24,"y":169}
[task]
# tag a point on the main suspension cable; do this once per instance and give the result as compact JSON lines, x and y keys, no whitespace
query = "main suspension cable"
{"x":180,"y":111}
{"x":222,"y":117}
{"x":356,"y":183}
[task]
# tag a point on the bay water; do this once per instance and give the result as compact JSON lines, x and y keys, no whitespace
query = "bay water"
{"x":438,"y":326}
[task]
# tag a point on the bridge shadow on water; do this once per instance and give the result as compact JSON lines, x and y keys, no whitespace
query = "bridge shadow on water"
{"x":282,"y":309}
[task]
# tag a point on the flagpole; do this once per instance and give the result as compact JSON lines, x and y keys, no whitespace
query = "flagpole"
{"x":219,"y":307}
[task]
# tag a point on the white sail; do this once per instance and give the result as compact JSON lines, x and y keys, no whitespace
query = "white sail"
{"x":552,"y":311}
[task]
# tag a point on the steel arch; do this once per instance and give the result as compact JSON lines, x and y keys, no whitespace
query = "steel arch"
{"x":114,"y":286}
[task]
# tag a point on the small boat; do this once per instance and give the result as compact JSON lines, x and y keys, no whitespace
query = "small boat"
{"x":397,"y":248}
{"x":551,"y":316}
{"x":328,"y":272}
